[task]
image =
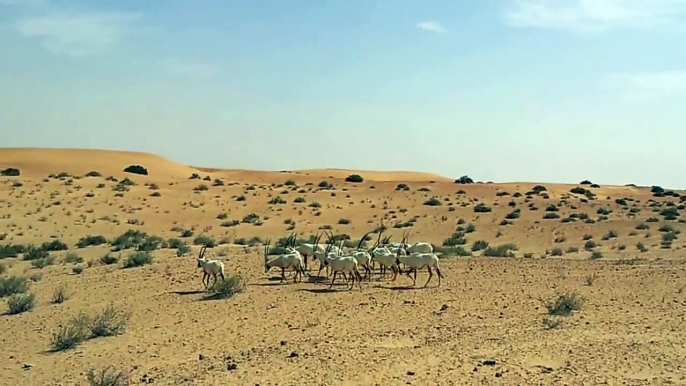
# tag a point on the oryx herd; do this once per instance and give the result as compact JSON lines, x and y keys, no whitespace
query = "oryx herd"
{"x":332,"y":257}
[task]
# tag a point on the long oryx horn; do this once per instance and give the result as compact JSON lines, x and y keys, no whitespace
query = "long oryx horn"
{"x":202,"y":251}
{"x":266,"y":250}
{"x":359,"y":245}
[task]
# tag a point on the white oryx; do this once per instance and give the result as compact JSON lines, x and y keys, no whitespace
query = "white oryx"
{"x":417,"y":261}
{"x":292,"y":260}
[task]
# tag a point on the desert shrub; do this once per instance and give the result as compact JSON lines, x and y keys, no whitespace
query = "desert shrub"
{"x":108,"y":259}
{"x":578,"y":190}
{"x":110,"y":321}
{"x":603,"y":211}
{"x":402,"y":187}
{"x":343,"y":221}
{"x":187,"y":233}
{"x":354,"y":178}
{"x":60,"y":295}
{"x":240,"y":198}
{"x":93,"y":174}
{"x":455,"y":250}
{"x":565,"y":304}
{"x":479,"y":245}
{"x":505,"y":250}
{"x":641,"y":247}
{"x":73,"y":258}
{"x":201,"y":188}
{"x":223,"y":289}
{"x":455,"y":239}
{"x":136,"y":169}
{"x":207,"y":241}
{"x":299,"y":200}
{"x":13,"y":285}
{"x":43,"y":262}
{"x":175,"y":243}
{"x":513,"y":215}
{"x":481,"y":208}
{"x":20,"y":303}
{"x":642,"y":226}
{"x":129,"y":239}
{"x":572,"y":250}
{"x":464,"y":180}
{"x":77,"y":270}
{"x":610,"y":235}
{"x":551,"y":216}
{"x":669,"y":236}
{"x":54,"y":246}
{"x":290,"y":183}
{"x":669,"y":213}
{"x":107,"y":377}
{"x":277,"y":200}
{"x":138,"y":259}
{"x":433,"y":201}
{"x":10,"y":172}
{"x":90,"y":240}
{"x":589,"y":245}
{"x":217,"y":182}
{"x":557,"y":252}
{"x":230,"y":223}
{"x":595,"y":255}
{"x":151,"y":243}
{"x":3,"y":268}
{"x":10,"y":250}
{"x":68,"y":336}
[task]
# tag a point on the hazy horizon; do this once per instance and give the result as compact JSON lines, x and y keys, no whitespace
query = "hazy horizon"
{"x":502,"y":90}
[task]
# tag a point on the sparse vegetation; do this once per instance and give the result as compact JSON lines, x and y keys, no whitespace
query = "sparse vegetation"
{"x":138,"y":259}
{"x":223,"y":289}
{"x":136,"y":169}
{"x":564,"y":304}
{"x":354,"y":178}
{"x":20,"y":303}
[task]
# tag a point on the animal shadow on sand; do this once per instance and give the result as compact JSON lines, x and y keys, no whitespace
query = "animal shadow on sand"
{"x":184,"y":293}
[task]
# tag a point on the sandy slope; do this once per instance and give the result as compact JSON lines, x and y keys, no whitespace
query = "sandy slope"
{"x":483,"y":325}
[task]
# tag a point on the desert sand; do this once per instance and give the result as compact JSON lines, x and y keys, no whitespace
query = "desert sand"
{"x":486,"y":324}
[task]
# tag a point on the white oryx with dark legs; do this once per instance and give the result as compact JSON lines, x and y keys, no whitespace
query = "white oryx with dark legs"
{"x":342,"y":264}
{"x":383,"y":256}
{"x":417,"y":261}
{"x":291,"y":261}
{"x":209,"y":267}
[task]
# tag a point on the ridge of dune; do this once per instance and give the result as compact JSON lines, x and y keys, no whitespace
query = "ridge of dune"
{"x":43,"y":161}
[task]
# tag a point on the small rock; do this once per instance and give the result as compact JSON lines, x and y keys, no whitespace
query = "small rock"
{"x":410,"y":373}
{"x":488,"y":362}
{"x":231,"y":366}
{"x":498,"y":375}
{"x":26,"y":366}
{"x":201,"y":357}
{"x":293,"y":355}
{"x":283,"y":342}
{"x":444,"y":307}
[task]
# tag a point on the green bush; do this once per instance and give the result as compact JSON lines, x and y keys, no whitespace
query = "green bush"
{"x":89,"y":240}
{"x":138,"y":259}
{"x":505,"y":250}
{"x":21,"y":303}
{"x":227,"y":288}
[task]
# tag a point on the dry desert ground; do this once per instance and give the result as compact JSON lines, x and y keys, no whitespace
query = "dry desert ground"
{"x":544,"y":284}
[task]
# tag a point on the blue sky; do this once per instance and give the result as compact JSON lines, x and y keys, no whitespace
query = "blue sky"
{"x":501,"y":90}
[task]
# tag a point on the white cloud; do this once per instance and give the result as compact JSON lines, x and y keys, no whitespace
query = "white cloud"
{"x":432,"y":26}
{"x":589,"y":16}
{"x":187,"y":68}
{"x":78,"y":34}
{"x":648,"y":85}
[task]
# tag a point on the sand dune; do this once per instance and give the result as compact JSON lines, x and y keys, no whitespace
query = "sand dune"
{"x":618,"y":248}
{"x":40,"y":162}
